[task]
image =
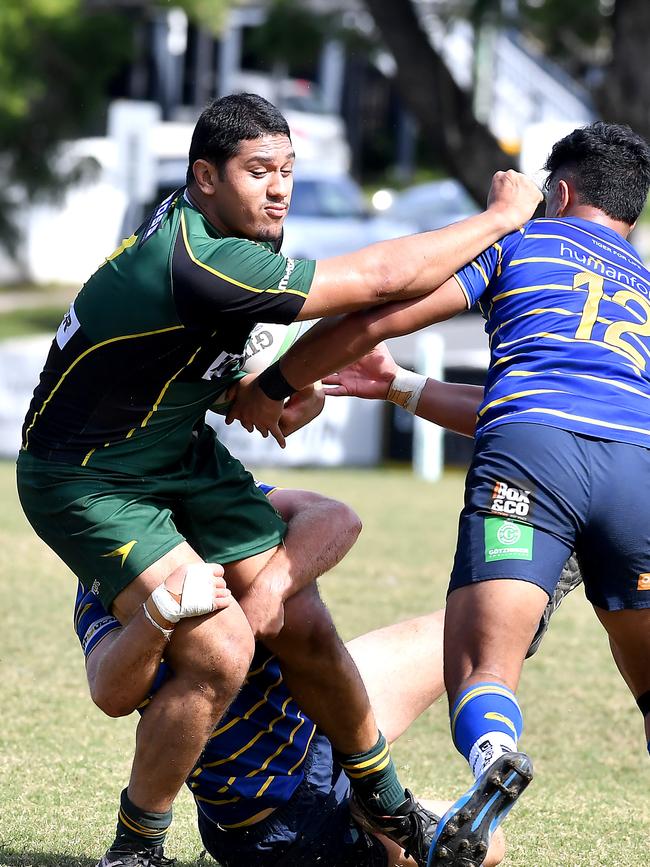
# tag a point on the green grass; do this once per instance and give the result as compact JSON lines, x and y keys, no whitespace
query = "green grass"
{"x":24,"y":321}
{"x":62,"y":764}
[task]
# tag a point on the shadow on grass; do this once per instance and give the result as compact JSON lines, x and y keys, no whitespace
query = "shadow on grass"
{"x":9,"y":858}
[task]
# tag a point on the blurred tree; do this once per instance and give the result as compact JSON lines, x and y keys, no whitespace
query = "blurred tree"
{"x":54,"y":64}
{"x":602,"y":43}
{"x":56,"y":58}
{"x":443,"y":109}
{"x":623,"y":94}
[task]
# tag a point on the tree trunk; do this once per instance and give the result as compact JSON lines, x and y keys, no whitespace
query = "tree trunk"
{"x":624,"y":93}
{"x":467,"y":148}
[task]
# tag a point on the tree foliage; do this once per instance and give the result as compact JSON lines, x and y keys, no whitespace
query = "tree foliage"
{"x":54,"y":65}
{"x":602,"y":43}
{"x":56,"y":59}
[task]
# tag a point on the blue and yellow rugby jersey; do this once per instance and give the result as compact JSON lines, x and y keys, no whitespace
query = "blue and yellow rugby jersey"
{"x":567,"y":308}
{"x":253,"y":762}
{"x":153,"y":337}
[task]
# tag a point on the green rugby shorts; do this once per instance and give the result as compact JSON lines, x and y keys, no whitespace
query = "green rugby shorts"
{"x":108,"y":527}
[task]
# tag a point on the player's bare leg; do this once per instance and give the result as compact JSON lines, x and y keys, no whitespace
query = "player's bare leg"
{"x":629,"y":638}
{"x":401,"y":666}
{"x":210,"y":656}
{"x":325,"y":682}
{"x":488,"y":630}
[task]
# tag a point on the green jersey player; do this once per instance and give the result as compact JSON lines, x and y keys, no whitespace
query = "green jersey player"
{"x":119,"y":474}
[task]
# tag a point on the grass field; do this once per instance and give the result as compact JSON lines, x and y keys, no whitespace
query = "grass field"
{"x":62,"y":764}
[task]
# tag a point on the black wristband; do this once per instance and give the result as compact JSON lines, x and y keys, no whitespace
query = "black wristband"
{"x":643,"y":702}
{"x":273,"y":383}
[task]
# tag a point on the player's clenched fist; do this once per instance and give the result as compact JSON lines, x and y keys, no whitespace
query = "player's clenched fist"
{"x":514,"y":196}
{"x":189,"y":591}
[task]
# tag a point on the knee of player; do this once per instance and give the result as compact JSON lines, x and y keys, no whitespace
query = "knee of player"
{"x":110,"y":702}
{"x":215,"y":652}
{"x":351,"y":525}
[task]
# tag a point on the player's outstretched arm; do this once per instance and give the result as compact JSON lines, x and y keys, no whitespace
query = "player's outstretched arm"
{"x":320,"y":532}
{"x":411,"y":266}
{"x":403,"y":268}
{"x":376,"y":376}
{"x":333,"y":344}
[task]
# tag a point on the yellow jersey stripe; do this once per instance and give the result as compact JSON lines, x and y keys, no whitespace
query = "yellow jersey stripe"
{"x":589,"y":376}
{"x":578,"y":266}
{"x":258,"y":817}
{"x":501,"y":400}
{"x":280,"y":749}
{"x":481,"y":271}
{"x":83,"y":355}
{"x":249,"y":712}
{"x":463,"y":290}
{"x":252,"y":741}
{"x":226,"y":277}
{"x":302,"y":757}
{"x":264,"y":787}
{"x":154,"y":408}
{"x":562,"y":339}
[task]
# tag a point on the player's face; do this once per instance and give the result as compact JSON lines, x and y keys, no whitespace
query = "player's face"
{"x":252,"y":198}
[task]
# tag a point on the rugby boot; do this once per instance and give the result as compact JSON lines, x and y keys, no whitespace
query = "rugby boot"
{"x":462,"y":837}
{"x":411,"y":825}
{"x":570,"y":578}
{"x":125,"y":854}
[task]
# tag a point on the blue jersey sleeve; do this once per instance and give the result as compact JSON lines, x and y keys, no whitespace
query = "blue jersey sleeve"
{"x":92,"y":622}
{"x":266,"y":489}
{"x":476,"y":277}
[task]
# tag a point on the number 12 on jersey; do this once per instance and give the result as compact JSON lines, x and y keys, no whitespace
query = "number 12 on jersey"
{"x":613,"y":336}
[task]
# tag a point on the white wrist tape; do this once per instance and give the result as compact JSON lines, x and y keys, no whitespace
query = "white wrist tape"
{"x":196,"y":596}
{"x":166,"y":632}
{"x":406,"y":389}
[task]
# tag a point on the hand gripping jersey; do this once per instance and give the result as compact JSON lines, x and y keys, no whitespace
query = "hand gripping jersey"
{"x":567,"y":304}
{"x":254,"y":758}
{"x":155,"y":334}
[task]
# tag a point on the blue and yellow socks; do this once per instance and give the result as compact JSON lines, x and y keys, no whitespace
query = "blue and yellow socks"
{"x":486,"y":722}
{"x":373,"y":778}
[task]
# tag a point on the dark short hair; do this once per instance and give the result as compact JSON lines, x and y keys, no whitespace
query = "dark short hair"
{"x":609,"y":165}
{"x":228,"y":121}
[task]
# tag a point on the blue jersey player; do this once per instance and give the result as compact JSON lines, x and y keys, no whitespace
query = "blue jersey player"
{"x":562,"y":452}
{"x":266,"y":786}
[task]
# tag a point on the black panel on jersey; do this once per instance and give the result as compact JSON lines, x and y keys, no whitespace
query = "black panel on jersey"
{"x":202,"y":298}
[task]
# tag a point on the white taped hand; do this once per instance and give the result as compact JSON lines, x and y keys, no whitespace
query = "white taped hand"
{"x":197,"y":595}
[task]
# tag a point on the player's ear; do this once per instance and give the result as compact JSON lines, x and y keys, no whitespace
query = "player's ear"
{"x":565,"y":196}
{"x":205,"y":175}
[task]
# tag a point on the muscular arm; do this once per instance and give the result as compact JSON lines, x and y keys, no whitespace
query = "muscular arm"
{"x":448,"y":404}
{"x":320,"y":532}
{"x":334,"y":343}
{"x":411,"y":266}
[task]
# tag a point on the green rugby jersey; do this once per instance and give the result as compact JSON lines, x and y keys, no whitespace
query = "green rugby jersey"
{"x":157,"y":332}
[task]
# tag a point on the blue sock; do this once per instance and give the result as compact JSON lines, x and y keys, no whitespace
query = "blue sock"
{"x":485,"y":723}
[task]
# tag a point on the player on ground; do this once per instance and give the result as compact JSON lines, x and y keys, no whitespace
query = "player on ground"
{"x":120,"y":476}
{"x":267,"y":789}
{"x":562,"y":452}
